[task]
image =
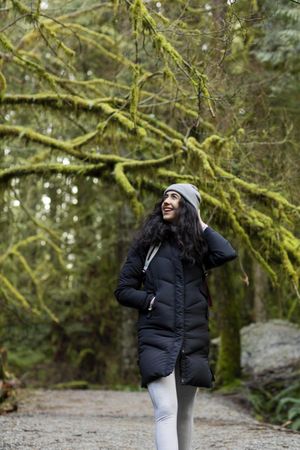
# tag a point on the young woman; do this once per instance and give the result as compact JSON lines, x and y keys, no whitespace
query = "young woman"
{"x":172,"y":300}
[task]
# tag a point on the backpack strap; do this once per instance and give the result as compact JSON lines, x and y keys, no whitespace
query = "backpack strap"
{"x":152,"y":252}
{"x":150,"y":255}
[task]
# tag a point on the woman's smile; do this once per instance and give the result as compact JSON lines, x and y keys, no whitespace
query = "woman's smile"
{"x":170,"y":205}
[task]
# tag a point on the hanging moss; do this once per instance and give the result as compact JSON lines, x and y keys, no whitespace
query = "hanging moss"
{"x":14,"y":292}
{"x":198,"y":158}
{"x":20,"y":7}
{"x":38,"y":9}
{"x":142,"y":18}
{"x":36,"y":69}
{"x":242,"y":233}
{"x":136,"y":15}
{"x":256,"y":190}
{"x":2,"y":86}
{"x":128,"y":190}
{"x":116,"y":4}
{"x":219,"y":147}
{"x":134,"y":94}
{"x":68,"y":101}
{"x":15,"y":251}
{"x":6,"y":43}
{"x":76,"y":26}
{"x":66,"y":147}
{"x":37,"y":285}
{"x":110,"y":55}
{"x":31,"y":35}
{"x":58,"y":42}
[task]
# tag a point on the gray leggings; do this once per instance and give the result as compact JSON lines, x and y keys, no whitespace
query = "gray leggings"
{"x":173,"y":409}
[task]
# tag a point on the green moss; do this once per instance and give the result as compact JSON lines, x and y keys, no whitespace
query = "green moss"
{"x":198,"y":159}
{"x":6,"y":43}
{"x":142,"y":19}
{"x":116,"y":4}
{"x":7,"y":285}
{"x":107,"y":53}
{"x":134,"y":94}
{"x":21,"y":8}
{"x":234,"y":386}
{"x":2,"y":86}
{"x":51,"y":35}
{"x":256,"y":190}
{"x":128,"y":189}
{"x":228,"y":367}
{"x":75,"y":384}
{"x":38,"y":9}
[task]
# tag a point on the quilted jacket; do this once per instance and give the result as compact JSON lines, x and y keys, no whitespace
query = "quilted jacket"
{"x":178,"y":325}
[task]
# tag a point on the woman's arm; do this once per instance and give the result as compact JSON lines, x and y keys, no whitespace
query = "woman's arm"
{"x":128,"y":292}
{"x":220,"y":250}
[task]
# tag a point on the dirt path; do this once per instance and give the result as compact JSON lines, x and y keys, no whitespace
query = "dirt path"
{"x":109,"y":420}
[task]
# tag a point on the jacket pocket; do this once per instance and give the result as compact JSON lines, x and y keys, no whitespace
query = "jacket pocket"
{"x":151,"y":307}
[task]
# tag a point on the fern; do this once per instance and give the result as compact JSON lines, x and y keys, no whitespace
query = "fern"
{"x":281,"y":408}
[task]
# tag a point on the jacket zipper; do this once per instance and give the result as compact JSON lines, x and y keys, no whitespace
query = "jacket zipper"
{"x":150,"y":307}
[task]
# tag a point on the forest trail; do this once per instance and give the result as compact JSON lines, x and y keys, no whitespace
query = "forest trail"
{"x":114,"y":420}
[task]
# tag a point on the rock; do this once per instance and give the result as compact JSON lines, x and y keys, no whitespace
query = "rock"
{"x":271,"y":350}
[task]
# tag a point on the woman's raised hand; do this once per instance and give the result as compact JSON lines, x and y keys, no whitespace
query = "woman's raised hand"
{"x":203,"y":224}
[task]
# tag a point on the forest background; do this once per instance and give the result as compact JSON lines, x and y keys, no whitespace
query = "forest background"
{"x":103,"y":104}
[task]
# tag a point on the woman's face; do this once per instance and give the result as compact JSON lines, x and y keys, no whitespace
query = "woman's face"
{"x":170,"y":206}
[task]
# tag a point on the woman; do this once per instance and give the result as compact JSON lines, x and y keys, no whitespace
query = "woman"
{"x":173,"y":331}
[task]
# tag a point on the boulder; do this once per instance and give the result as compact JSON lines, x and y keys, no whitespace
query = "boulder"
{"x":270,"y":351}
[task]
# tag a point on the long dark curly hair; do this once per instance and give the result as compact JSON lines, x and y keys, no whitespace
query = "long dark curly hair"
{"x":187,"y":232}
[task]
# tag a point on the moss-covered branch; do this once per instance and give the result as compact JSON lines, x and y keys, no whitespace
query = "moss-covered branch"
{"x":193,"y":148}
{"x":143,"y":20}
{"x":147,"y":107}
{"x":47,"y":169}
{"x":14,"y":292}
{"x":15,"y":251}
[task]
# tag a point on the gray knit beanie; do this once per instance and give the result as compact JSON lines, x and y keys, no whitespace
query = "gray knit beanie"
{"x":188,"y":191}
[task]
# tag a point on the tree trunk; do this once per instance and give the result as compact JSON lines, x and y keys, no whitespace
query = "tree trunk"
{"x":128,"y":346}
{"x":228,"y":364}
{"x":260,"y":289}
{"x":2,"y":363}
{"x":128,"y":340}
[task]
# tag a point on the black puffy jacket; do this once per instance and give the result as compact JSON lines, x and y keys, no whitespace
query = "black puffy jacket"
{"x":178,"y":323}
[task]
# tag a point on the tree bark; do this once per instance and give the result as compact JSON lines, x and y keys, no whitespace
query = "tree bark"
{"x":2,"y":363}
{"x":128,"y":340}
{"x":260,"y":289}
{"x":228,"y":364}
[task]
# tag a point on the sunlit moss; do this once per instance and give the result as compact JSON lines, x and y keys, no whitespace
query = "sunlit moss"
{"x":14,"y":292}
{"x":2,"y":85}
{"x":128,"y":189}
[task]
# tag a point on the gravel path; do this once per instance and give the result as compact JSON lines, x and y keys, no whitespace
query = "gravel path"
{"x":114,"y":420}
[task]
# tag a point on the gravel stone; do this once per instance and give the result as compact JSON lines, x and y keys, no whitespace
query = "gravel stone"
{"x":114,"y":420}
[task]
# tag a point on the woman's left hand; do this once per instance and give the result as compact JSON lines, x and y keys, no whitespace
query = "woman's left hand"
{"x":203,"y":224}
